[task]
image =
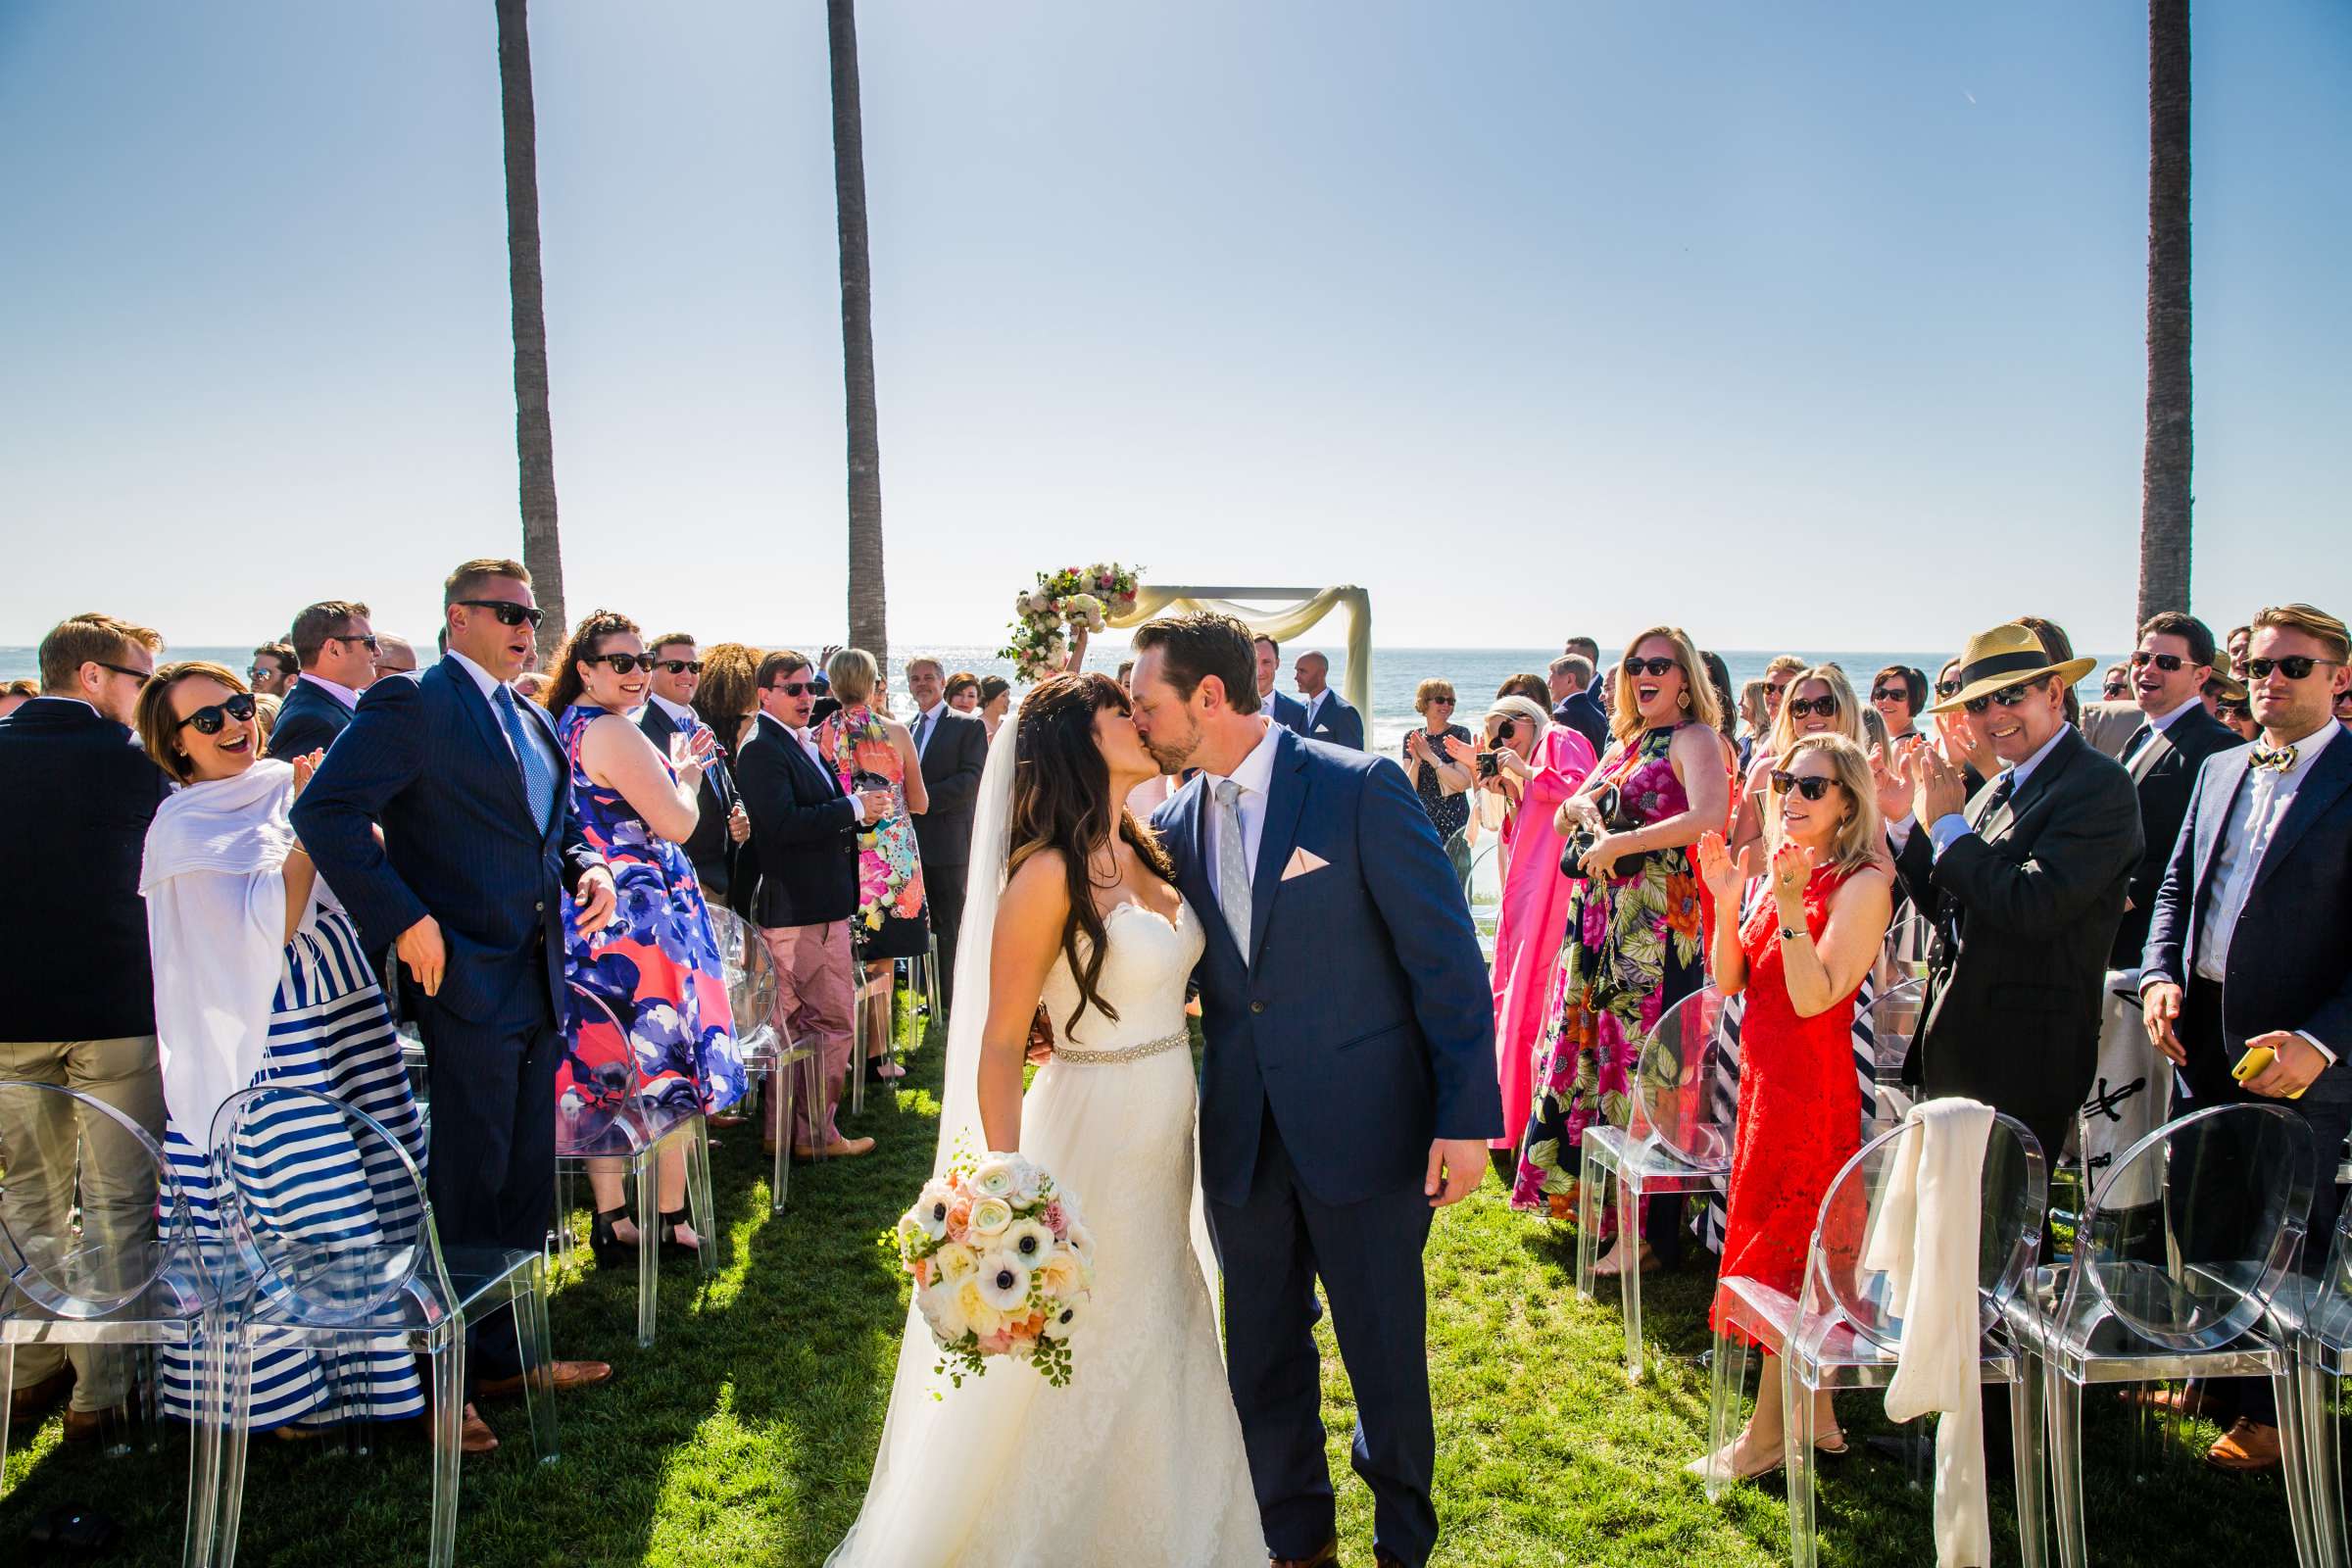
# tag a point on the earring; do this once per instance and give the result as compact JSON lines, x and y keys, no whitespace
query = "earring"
{"x":1683,"y":700}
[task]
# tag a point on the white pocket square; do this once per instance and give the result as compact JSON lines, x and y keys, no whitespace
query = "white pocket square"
{"x":1302,"y":861}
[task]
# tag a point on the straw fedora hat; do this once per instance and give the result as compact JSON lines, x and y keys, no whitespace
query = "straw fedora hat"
{"x":2006,"y":656}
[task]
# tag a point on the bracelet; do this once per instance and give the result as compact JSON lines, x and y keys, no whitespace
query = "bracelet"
{"x":1793,"y":933}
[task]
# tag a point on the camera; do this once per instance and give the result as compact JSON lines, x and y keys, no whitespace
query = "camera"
{"x":1490,"y":765}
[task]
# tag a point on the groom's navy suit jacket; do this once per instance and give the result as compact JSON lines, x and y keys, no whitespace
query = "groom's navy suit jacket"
{"x":1363,"y":1016}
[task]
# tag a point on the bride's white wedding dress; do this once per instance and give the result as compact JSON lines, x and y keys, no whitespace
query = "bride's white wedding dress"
{"x":1139,"y":1460}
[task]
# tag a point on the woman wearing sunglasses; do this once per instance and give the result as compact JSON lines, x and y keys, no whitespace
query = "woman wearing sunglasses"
{"x":1798,"y":959}
{"x":1820,"y":700}
{"x":654,"y":972}
{"x":260,"y":975}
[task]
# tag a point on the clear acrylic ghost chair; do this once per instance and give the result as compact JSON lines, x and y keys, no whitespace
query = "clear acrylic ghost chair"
{"x":328,"y":1213}
{"x":770,"y":1056}
{"x":2317,"y":1312}
{"x":1484,"y":891}
{"x":1903,"y":954}
{"x":631,"y":1124}
{"x":2181,"y":1288}
{"x":1841,"y":1331}
{"x":1892,"y":1019}
{"x":161,"y":1289}
{"x":861,"y":1031}
{"x":1677,"y":1139}
{"x":923,"y":976}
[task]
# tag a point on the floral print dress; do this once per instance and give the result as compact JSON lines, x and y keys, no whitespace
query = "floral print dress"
{"x":1635,"y":946}
{"x":648,"y":989}
{"x":891,"y":921}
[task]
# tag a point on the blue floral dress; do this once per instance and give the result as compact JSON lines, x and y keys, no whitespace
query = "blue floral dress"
{"x":648,"y":990}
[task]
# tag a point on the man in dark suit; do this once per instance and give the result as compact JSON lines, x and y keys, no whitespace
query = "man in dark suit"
{"x":805,"y":844}
{"x":2024,"y":884}
{"x":2250,"y":944}
{"x":1571,"y":682}
{"x":952,"y":748}
{"x":1329,"y":715}
{"x":479,"y":846}
{"x":76,"y":1000}
{"x":336,"y":648}
{"x":1281,"y":706}
{"x":722,"y":828}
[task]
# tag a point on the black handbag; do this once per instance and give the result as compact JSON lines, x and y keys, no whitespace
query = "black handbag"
{"x":1613,"y":820}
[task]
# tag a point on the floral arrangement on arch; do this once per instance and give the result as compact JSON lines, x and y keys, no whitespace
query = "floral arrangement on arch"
{"x":1062,"y":603}
{"x":1003,"y":1265}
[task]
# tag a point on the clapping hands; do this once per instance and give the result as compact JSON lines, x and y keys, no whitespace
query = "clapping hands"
{"x":1791,"y":869}
{"x":1919,"y":782}
{"x":1724,"y":876}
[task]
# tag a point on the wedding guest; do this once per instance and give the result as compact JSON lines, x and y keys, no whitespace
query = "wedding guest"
{"x":646,"y":999}
{"x":1572,"y":702}
{"x":2060,"y":647}
{"x":1798,"y":961}
{"x":79,"y":796}
{"x":394,"y":655}
{"x":1529,"y":685}
{"x":260,"y":978}
{"x":867,"y":750}
{"x":1778,"y":673}
{"x":1536,"y":765}
{"x":1874,"y":731}
{"x":443,"y":820}
{"x":532,"y":685}
{"x":2240,"y":638}
{"x":996,"y":700}
{"x":1439,"y":779}
{"x":265,"y":718}
{"x":1898,"y":692}
{"x":1752,"y":723}
{"x":1818,"y":701}
{"x":1287,"y":711}
{"x":805,"y":839}
{"x":15,"y":694}
{"x":273,"y":669}
{"x":726,"y":697}
{"x":2344,"y":706}
{"x":2116,"y":685}
{"x":2028,"y":878}
{"x":963,"y":692}
{"x":669,"y":720}
{"x":1329,"y":716}
{"x":2227,"y":699}
{"x":1957,"y":738}
{"x":1126,"y":670}
{"x":1634,"y":931}
{"x":1584,"y":647}
{"x":952,"y":747}
{"x":1719,"y":675}
{"x":336,"y":649}
{"x":2250,"y":945}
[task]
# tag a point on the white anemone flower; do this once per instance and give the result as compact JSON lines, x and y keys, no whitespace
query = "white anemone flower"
{"x":1082,"y":1242}
{"x":932,"y":1207}
{"x":1028,"y":1242}
{"x":1062,"y":1317}
{"x":1003,"y":1282}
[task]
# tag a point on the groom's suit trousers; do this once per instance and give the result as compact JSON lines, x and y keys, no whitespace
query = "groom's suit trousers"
{"x":1271,"y":1247}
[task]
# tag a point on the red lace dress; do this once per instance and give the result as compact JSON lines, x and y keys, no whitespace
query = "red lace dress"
{"x":1800,"y":1105}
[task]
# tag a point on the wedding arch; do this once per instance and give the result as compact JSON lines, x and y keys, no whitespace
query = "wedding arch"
{"x":1288,"y":613}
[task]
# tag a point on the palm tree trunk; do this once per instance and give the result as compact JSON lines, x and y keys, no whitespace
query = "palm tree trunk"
{"x":2166,"y":475}
{"x":867,"y":617}
{"x":534,"y":435}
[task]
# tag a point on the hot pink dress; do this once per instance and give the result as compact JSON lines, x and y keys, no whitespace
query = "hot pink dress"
{"x":1534,"y":921}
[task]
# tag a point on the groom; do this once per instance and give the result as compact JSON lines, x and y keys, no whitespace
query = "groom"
{"x":1348,"y":1086}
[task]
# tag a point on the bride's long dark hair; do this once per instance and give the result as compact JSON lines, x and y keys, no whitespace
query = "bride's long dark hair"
{"x":1062,"y":801}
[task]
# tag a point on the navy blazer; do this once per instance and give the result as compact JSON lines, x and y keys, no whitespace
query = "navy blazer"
{"x":1287,"y":711}
{"x":804,"y":841}
{"x":709,"y":847}
{"x":307,"y":721}
{"x":1582,"y":712}
{"x":77,"y":796}
{"x":426,"y":758}
{"x":1364,"y":1016}
{"x":1336,"y":722}
{"x":2289,"y":964}
{"x":2164,"y":771}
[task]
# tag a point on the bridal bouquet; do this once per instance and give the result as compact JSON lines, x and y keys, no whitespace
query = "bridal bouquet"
{"x":1063,"y":602}
{"x":1003,"y":1265}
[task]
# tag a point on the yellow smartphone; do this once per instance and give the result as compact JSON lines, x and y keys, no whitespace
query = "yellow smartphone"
{"x":2255,"y":1060}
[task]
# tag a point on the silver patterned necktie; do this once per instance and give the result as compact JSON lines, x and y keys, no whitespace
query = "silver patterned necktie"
{"x":1233,"y":870}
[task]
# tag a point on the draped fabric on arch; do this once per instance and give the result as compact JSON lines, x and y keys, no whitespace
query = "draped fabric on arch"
{"x":1299,"y":609}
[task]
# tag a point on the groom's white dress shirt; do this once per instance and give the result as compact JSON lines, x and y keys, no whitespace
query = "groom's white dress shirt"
{"x":1253,"y":775}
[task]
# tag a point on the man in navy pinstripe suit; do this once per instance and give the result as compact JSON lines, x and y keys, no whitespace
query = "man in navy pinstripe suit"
{"x":480,"y":843}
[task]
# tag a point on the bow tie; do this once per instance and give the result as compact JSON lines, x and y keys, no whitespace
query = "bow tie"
{"x":2277,"y":761}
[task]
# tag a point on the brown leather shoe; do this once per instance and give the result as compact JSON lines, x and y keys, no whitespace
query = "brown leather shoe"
{"x":2245,"y":1448}
{"x":838,"y":1149}
{"x":2190,"y":1399}
{"x":1328,"y":1556}
{"x":37,"y":1400}
{"x":475,"y":1437}
{"x":84,"y":1426}
{"x":569,"y":1375}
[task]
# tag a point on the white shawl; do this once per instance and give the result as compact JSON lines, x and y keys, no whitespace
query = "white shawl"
{"x":1923,"y":1239}
{"x":213,"y":878}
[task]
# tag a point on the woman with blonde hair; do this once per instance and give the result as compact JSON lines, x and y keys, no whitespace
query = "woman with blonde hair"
{"x":1441,"y":779}
{"x":1634,"y":928}
{"x":1820,"y":700}
{"x":867,"y":749}
{"x":1798,"y":959}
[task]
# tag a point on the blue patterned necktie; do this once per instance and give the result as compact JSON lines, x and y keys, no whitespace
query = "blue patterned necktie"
{"x":538,"y":774}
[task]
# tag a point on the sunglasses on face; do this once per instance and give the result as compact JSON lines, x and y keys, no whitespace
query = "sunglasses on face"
{"x":623,"y":663}
{"x":1812,"y":787}
{"x":2116,"y":688}
{"x":2007,"y":697}
{"x":373,"y":646}
{"x":794,"y":688}
{"x":509,"y":613}
{"x":1888,"y":694}
{"x":1775,"y":687}
{"x":1650,"y":667}
{"x":1948,"y":689}
{"x":2168,"y":663}
{"x":257,"y":672}
{"x":1800,"y":707}
{"x":2232,"y":710}
{"x":683,"y":666}
{"x":2294,"y":666}
{"x":209,"y":718}
{"x":125,"y":669}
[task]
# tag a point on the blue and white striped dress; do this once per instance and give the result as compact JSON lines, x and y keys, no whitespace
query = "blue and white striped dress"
{"x":329,"y":1031}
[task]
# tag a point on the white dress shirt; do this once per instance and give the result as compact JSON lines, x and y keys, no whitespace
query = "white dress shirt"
{"x":2262,"y":804}
{"x":341,"y":694}
{"x":1255,"y":774}
{"x":808,"y":743}
{"x":685,"y":718}
{"x":1313,"y":705}
{"x":926,"y":724}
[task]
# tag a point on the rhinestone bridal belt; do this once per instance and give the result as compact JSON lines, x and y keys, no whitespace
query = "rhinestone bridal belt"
{"x":1150,"y":1047}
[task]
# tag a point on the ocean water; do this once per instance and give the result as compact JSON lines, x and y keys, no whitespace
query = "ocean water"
{"x":1395,"y":671}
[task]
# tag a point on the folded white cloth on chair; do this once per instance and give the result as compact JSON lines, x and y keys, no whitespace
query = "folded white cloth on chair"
{"x":1924,"y":1238}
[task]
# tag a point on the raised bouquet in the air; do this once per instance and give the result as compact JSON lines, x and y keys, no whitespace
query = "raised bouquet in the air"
{"x":1063,"y":602}
{"x":1003,"y":1265}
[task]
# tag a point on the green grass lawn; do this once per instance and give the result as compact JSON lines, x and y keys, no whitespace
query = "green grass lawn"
{"x":743,"y":1435}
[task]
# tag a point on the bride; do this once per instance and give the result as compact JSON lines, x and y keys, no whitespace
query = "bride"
{"x":1138,"y":1459}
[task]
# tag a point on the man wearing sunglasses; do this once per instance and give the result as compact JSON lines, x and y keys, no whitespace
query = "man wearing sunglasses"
{"x":336,"y":648}
{"x":2248,"y":965}
{"x":2024,"y":884}
{"x":273,"y":670}
{"x":480,"y":849}
{"x":722,"y":828}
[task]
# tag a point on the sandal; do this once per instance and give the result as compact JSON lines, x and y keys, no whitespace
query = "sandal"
{"x":603,"y":1243}
{"x":671,"y":1221}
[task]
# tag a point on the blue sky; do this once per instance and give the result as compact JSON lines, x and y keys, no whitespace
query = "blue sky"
{"x":1811,"y":322}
